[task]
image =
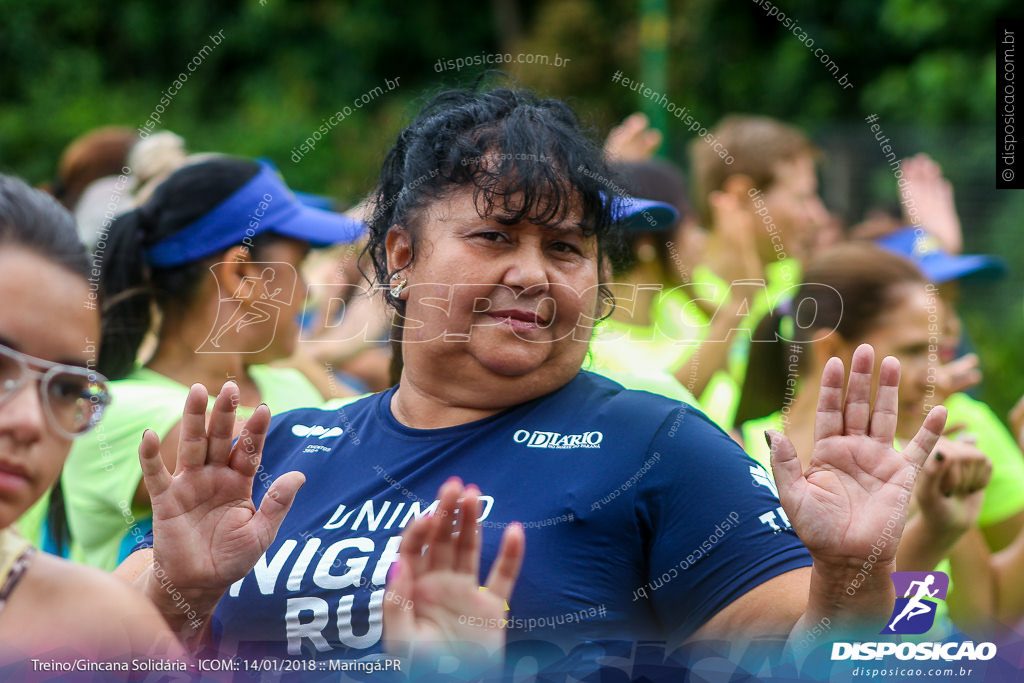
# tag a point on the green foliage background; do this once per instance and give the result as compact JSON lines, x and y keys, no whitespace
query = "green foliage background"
{"x":927,"y":69}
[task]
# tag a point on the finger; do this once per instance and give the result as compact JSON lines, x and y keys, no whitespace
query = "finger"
{"x":951,"y":478}
{"x":398,"y":614}
{"x":962,"y":373}
{"x":927,"y":436}
{"x":886,"y":412}
{"x":441,"y":544}
{"x":248,"y":449}
{"x":501,"y":580}
{"x":410,"y":551}
{"x":648,"y":143}
{"x":221,"y":428}
{"x":857,"y":415}
{"x":829,"y":419}
{"x":467,"y":547}
{"x":933,"y":475}
{"x":786,"y":467}
{"x":154,"y":473}
{"x":192,"y":444}
{"x":275,"y":506}
{"x":977,"y":474}
{"x":984,"y":476}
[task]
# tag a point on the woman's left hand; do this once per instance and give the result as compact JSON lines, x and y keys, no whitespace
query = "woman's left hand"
{"x":851,"y":502}
{"x":434,"y":601}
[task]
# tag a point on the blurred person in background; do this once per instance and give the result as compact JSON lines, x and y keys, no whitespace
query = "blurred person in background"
{"x":1001,"y":520}
{"x":763,"y":215}
{"x":91,"y":178}
{"x":217,"y":252}
{"x":934,"y":246}
{"x":345,"y":326}
{"x":643,"y":343}
{"x":50,"y":395}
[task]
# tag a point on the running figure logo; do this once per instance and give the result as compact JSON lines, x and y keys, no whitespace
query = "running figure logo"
{"x":256,"y":300}
{"x":917,"y":594}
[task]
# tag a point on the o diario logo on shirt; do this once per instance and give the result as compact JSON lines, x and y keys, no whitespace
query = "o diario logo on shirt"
{"x":539,"y":439}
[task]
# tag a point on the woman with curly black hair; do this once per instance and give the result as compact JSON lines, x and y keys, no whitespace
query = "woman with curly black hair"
{"x":492,"y":237}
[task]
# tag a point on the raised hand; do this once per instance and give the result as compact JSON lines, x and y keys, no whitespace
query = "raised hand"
{"x":957,"y":375}
{"x":632,"y":140}
{"x":856,"y":489}
{"x":434,"y":602}
{"x":738,"y":226}
{"x":207,"y":533}
{"x":932,"y":195}
{"x":952,"y":485}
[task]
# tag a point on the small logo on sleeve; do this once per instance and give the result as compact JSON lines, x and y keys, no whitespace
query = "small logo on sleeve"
{"x":762,"y":478}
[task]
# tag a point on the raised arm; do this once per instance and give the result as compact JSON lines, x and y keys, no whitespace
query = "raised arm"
{"x":207,"y":533}
{"x":849,"y":507}
{"x":949,"y":493}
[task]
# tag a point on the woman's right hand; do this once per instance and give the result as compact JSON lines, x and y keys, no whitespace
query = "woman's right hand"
{"x":207,"y":533}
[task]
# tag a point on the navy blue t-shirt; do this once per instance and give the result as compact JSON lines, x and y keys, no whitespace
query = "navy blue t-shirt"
{"x":642,"y":518}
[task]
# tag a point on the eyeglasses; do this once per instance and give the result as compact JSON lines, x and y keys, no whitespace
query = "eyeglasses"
{"x":73,"y":397}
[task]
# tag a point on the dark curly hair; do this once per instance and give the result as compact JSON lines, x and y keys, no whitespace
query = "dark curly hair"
{"x":506,"y":144}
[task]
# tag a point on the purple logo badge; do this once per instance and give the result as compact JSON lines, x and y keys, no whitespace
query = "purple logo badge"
{"x":917,"y":596}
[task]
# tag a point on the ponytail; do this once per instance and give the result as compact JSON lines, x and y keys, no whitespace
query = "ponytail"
{"x":132,"y":289}
{"x":128,"y":295}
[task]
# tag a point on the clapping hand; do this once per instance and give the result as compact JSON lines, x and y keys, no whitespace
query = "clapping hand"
{"x":434,"y":601}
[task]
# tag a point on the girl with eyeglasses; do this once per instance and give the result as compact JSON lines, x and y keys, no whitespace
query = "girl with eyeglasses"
{"x":49,"y":395}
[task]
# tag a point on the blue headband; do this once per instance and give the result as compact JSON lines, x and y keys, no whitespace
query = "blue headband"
{"x":264,"y":204}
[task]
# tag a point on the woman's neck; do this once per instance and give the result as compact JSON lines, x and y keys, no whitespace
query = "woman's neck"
{"x":175,"y":357}
{"x":416,"y":407}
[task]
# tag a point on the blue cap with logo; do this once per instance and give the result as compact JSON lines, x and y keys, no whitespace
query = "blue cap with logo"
{"x":937,"y":264}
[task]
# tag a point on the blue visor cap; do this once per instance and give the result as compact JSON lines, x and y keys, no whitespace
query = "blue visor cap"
{"x":643,"y":214}
{"x":264,"y":204}
{"x":938,"y":265}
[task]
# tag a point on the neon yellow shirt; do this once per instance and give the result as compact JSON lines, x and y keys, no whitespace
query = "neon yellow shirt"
{"x":721,"y":397}
{"x":102,"y":472}
{"x":646,"y":357}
